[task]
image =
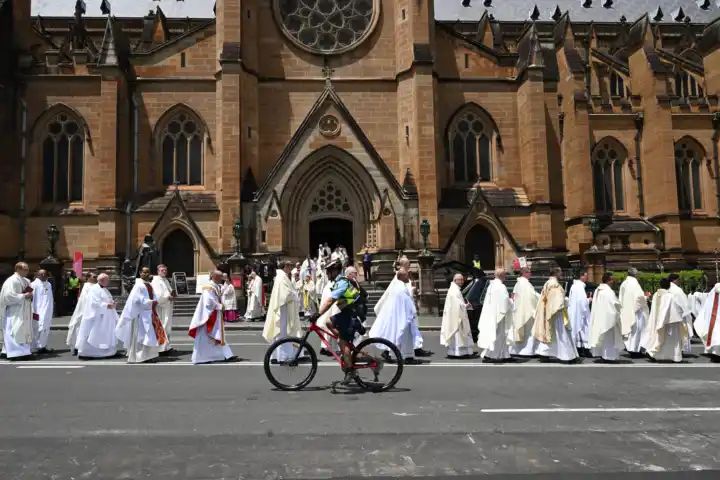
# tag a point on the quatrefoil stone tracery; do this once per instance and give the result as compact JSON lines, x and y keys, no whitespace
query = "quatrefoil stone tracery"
{"x":326,"y":26}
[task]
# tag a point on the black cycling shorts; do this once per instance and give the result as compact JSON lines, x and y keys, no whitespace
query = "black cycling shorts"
{"x":344,"y":323}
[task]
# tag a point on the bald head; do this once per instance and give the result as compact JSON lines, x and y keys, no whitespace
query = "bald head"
{"x":216,"y":276}
{"x":403,"y":262}
{"x":103,"y":280}
{"x":42,"y":275}
{"x":500,"y":274}
{"x":459,"y":279}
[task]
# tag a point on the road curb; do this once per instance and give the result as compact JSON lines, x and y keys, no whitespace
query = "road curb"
{"x":242,"y":328}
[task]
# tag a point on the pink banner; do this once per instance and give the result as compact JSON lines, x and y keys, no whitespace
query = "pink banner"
{"x":77,"y":263}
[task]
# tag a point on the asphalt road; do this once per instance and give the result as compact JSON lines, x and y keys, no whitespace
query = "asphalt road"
{"x":63,"y":418}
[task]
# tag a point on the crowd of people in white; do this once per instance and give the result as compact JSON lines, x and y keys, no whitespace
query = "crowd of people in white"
{"x":521,"y":323}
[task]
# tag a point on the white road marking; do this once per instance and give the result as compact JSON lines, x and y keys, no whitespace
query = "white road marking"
{"x":230,"y":343}
{"x":601,"y":410}
{"x":50,"y":366}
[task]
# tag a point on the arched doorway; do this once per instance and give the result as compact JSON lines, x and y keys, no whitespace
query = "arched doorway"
{"x":480,"y":241}
{"x":333,"y":231}
{"x":178,"y":253}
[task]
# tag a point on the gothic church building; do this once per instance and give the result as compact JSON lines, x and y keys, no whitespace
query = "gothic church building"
{"x":516,"y":128}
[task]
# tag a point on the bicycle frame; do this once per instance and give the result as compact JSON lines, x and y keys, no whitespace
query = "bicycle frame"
{"x":321,"y":332}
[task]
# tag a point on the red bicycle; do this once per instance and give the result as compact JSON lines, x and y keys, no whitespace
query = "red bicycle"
{"x":291,"y":363}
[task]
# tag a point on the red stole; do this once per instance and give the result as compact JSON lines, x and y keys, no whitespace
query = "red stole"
{"x":210,"y":324}
{"x":713,"y":318}
{"x":156,"y":323}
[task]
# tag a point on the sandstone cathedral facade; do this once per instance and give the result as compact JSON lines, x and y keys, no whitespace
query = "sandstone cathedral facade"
{"x":553,"y":130}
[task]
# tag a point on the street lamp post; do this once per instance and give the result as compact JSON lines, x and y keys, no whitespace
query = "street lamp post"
{"x":425,"y":232}
{"x":428,"y":296}
{"x":237,"y":264}
{"x":53,"y":265}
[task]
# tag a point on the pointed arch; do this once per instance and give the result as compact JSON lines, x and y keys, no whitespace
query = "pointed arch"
{"x":62,"y":134}
{"x":181,"y":136}
{"x":473,"y":145}
{"x":609,"y":159}
{"x":689,"y":158}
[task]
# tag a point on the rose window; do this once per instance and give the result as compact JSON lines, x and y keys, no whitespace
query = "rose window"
{"x":330,"y":199}
{"x":327,"y":26}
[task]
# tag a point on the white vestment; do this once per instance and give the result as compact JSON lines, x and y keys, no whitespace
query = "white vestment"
{"x":228,"y":296}
{"x":606,"y":339}
{"x":634,"y":313}
{"x":96,"y":333}
{"x":579,"y":313}
{"x":495,"y":322}
{"x":667,"y":330}
{"x":396,"y":320}
{"x":682,"y":300}
{"x":455,"y":333}
{"x":16,"y":317}
{"x":707,"y":324}
{"x":525,"y":300}
{"x":309,"y":298}
{"x":308,"y":268}
{"x":137,"y":329}
{"x":283,"y":316}
{"x":163,"y":293}
{"x":254,"y":306}
{"x":417,"y":336}
{"x":43,"y":308}
{"x":76,"y":319}
{"x":208,"y":327}
{"x":552,"y":327}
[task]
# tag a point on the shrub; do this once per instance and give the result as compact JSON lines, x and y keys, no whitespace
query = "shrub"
{"x":690,"y":280}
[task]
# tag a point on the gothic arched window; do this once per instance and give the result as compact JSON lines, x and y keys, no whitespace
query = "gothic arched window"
{"x":617,"y":86}
{"x":182,"y":140}
{"x":63,"y":155}
{"x":470,"y":142}
{"x":607,"y":164}
{"x":330,"y":199}
{"x":688,"y":156}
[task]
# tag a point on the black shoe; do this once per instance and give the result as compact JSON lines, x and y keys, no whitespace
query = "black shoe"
{"x":419,"y":352}
{"x":74,"y":352}
{"x":44,"y":350}
{"x":412,"y":361}
{"x":325,"y":352}
{"x":273,"y":361}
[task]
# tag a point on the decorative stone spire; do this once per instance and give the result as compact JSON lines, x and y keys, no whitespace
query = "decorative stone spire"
{"x":678,"y":15}
{"x":557,"y":14}
{"x":608,"y":4}
{"x":586,"y":3}
{"x":108,"y":51}
{"x":657,"y":14}
{"x":105,"y":7}
{"x":534,"y":13}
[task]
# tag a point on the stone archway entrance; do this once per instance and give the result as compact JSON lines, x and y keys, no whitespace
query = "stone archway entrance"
{"x":333,"y":231}
{"x":178,"y":253}
{"x":480,"y":241}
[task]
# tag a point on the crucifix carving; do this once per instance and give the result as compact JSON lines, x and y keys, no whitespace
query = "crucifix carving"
{"x":327,"y":73}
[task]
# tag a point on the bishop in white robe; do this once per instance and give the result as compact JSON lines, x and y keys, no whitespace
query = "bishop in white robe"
{"x":43,"y":305}
{"x":551,"y":327}
{"x":283,"y":314}
{"x":397,"y":318}
{"x":579,"y":312}
{"x":495,"y":321}
{"x":667,"y":330}
{"x":455,"y":333}
{"x":140,"y":328}
{"x":634,"y":312}
{"x":707,"y":324}
{"x":682,"y":299}
{"x":165,"y":295}
{"x":76,"y":319}
{"x":524,"y":301}
{"x":96,"y":334}
{"x":208,"y":325}
{"x":309,"y":297}
{"x":606,"y":339}
{"x":255,"y":305}
{"x":16,"y":314}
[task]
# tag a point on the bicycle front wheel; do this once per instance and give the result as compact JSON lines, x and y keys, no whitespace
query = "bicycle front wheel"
{"x":290,"y":364}
{"x":378,"y":364}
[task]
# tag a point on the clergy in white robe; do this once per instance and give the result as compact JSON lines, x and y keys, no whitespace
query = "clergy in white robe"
{"x":634,"y":312}
{"x":16,"y":314}
{"x":42,"y":310}
{"x":96,"y":334}
{"x":254,"y":292}
{"x":707,"y":324}
{"x":140,"y":328}
{"x":455,"y":333}
{"x":165,"y":295}
{"x":229,"y":299}
{"x":76,"y":319}
{"x":283,"y":314}
{"x":396,"y":319}
{"x":551,"y":327}
{"x":667,"y":329}
{"x":308,"y":267}
{"x":309,"y":297}
{"x":208,"y":326}
{"x":606,"y":339}
{"x":682,"y":299}
{"x":579,"y":312}
{"x":495,"y":321}
{"x":524,"y":303}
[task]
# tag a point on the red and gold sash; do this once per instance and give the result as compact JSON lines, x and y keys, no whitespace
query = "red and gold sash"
{"x":212,"y":319}
{"x":156,"y":323}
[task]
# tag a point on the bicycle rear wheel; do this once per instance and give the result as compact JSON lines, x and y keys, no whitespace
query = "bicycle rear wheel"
{"x":378,"y":364}
{"x":290,"y":364}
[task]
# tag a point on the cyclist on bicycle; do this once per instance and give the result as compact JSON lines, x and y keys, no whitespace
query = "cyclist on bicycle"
{"x":347,"y":294}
